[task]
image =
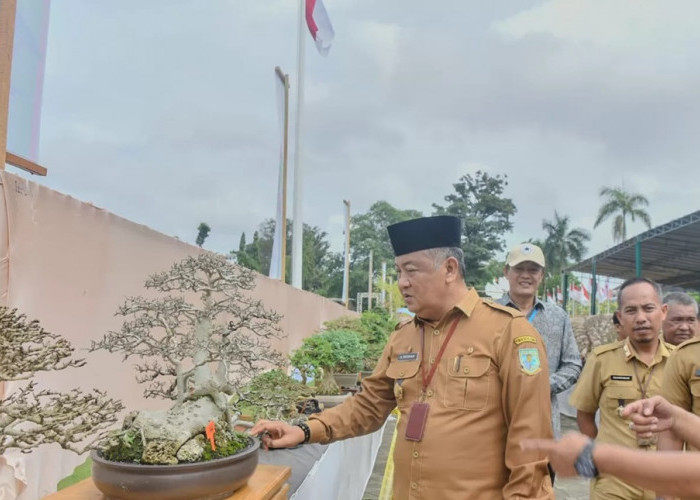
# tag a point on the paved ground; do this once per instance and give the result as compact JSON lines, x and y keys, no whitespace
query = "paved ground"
{"x":566,"y":489}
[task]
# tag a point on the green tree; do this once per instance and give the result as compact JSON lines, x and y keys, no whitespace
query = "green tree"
{"x":620,"y":205}
{"x":202,"y":233}
{"x":319,"y":263}
{"x":562,"y":244}
{"x":486,"y":216}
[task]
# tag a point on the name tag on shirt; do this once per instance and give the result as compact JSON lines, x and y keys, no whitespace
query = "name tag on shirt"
{"x":621,"y":377}
{"x":697,"y":372}
{"x":408,"y":356}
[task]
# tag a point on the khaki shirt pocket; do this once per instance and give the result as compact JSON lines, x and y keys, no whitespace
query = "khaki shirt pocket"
{"x":620,"y":395}
{"x":695,"y":393}
{"x":468,"y":385}
{"x":407,"y":386}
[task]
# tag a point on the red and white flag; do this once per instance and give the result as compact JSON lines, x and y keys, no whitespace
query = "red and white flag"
{"x":560,"y":296}
{"x":319,"y":25}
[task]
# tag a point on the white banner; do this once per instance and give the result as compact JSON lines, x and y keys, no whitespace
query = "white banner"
{"x":27,"y":80}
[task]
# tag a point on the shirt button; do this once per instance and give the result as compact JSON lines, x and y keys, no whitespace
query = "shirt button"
{"x":402,"y":373}
{"x":430,"y":392}
{"x":436,"y":332}
{"x":432,"y":361}
{"x":470,"y":350}
{"x":414,"y":485}
{"x":466,"y":370}
{"x":415,"y":454}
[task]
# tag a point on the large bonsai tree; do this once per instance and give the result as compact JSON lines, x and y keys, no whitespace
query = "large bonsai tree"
{"x":197,"y":343}
{"x":28,"y":418}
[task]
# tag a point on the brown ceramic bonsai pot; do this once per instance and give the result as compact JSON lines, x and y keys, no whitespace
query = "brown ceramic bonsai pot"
{"x":208,"y":480}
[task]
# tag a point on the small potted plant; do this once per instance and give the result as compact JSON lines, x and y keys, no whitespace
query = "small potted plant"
{"x":197,"y":342}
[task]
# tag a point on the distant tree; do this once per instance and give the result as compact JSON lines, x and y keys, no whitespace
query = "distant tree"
{"x":562,"y":244}
{"x":619,"y":204}
{"x":202,"y":233}
{"x":368,"y":233}
{"x":320,"y":265}
{"x":486,"y":217}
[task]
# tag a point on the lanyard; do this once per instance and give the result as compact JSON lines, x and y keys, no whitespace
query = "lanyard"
{"x":532,"y":314}
{"x":429,"y":377}
{"x":642,"y":388}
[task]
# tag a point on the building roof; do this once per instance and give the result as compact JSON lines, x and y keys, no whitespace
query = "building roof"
{"x":669,"y":254}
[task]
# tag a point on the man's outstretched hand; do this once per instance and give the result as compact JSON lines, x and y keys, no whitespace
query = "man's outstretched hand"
{"x":650,"y":416}
{"x":277,"y":434}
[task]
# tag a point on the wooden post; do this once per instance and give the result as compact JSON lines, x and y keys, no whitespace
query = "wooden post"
{"x":8,"y":9}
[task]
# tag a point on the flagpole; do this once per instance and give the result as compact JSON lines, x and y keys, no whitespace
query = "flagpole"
{"x":297,"y":222}
{"x":283,"y":244}
{"x":346,"y":267}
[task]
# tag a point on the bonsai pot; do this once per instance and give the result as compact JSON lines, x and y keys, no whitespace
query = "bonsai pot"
{"x":346,"y":379}
{"x":207,"y":480}
{"x":329,"y":401}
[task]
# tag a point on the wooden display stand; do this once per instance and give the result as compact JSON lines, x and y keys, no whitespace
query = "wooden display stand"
{"x":268,"y":482}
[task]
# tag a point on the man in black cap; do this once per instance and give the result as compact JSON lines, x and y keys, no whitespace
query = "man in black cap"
{"x":469,"y":377}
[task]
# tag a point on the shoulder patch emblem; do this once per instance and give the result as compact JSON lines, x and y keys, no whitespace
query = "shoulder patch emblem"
{"x":529,"y":360}
{"x":525,"y":338}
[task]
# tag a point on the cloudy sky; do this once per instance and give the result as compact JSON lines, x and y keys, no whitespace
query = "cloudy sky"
{"x":163,"y":111}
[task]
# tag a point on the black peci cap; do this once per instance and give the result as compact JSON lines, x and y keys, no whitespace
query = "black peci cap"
{"x":425,"y":233}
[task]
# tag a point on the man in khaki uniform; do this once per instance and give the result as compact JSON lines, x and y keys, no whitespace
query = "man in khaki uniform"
{"x":681,"y":321}
{"x":622,"y":372}
{"x":681,"y":387}
{"x":469,"y":377}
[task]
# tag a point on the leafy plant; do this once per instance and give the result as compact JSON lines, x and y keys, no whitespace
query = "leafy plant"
{"x":271,"y":395}
{"x":329,"y":352}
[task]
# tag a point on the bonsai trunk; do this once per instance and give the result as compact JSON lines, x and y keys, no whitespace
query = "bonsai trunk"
{"x":327,"y":383}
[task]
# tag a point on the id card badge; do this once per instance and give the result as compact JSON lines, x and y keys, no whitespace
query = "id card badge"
{"x":417,"y":417}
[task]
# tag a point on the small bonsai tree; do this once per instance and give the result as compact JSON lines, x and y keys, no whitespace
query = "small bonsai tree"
{"x":28,"y":418}
{"x":272,"y":395}
{"x":326,"y":353}
{"x":196,"y":352}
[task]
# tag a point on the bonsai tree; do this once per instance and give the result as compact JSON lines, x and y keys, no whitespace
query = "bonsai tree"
{"x":374,"y":327}
{"x":272,"y":395}
{"x":28,"y":418}
{"x":326,"y":353}
{"x":199,"y":341}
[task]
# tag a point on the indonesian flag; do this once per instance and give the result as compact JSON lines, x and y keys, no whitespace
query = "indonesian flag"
{"x":319,"y":25}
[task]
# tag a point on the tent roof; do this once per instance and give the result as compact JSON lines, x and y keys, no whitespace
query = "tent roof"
{"x":669,"y":254}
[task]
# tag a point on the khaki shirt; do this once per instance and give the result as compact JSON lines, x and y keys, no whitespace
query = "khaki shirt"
{"x":681,"y":383}
{"x":608,"y":381}
{"x":490,"y":390}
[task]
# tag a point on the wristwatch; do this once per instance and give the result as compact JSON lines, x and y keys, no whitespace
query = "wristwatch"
{"x":584,"y":464}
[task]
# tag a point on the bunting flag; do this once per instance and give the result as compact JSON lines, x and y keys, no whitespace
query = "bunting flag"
{"x":319,"y":25}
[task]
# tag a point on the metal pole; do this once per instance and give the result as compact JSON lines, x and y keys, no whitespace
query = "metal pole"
{"x":383,"y":284}
{"x":298,"y":222}
{"x":369,"y":283}
{"x":594,"y":290}
{"x":346,"y":270}
{"x":638,"y":258}
{"x":283,"y":264}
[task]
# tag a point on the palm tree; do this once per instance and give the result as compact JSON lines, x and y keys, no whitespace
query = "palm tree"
{"x":562,"y":244}
{"x":620,"y":204}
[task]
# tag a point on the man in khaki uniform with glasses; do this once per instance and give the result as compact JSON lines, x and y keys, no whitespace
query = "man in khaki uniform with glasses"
{"x":469,"y":377}
{"x":622,"y":372}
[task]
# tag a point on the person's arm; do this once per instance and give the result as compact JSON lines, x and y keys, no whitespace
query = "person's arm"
{"x":668,"y":473}
{"x":669,"y":442}
{"x":526,"y":400}
{"x":654,"y":415}
{"x":586,"y":423}
{"x":569,"y":369}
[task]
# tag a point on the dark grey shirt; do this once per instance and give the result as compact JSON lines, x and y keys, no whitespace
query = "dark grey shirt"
{"x":563,"y":356}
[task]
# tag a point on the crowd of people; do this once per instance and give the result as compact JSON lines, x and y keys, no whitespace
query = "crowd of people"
{"x":476,"y":384}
